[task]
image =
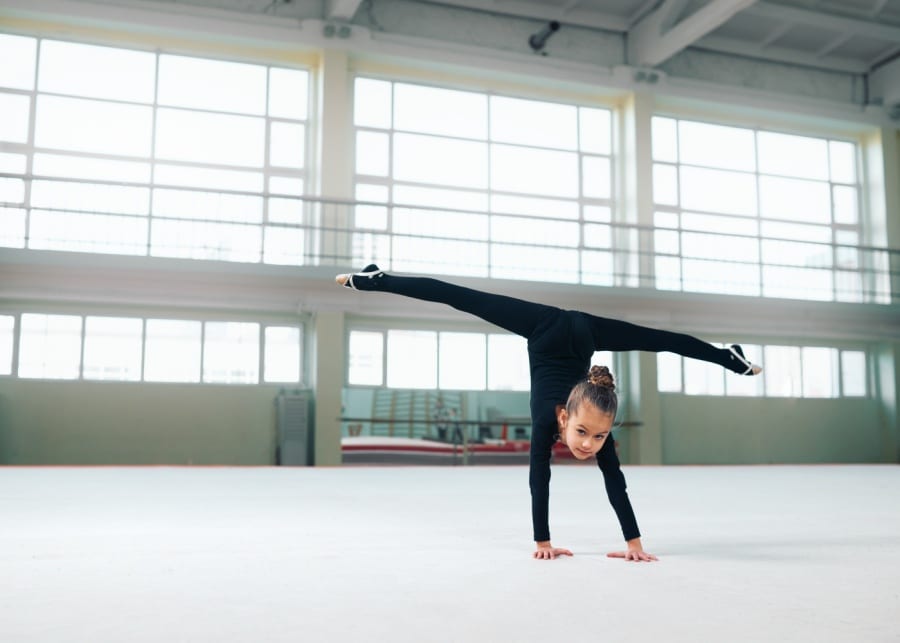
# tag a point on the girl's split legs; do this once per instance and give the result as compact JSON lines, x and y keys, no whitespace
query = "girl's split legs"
{"x":515,"y":315}
{"x":615,"y":335}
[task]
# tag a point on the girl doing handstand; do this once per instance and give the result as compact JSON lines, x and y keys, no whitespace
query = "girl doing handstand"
{"x":569,"y":403}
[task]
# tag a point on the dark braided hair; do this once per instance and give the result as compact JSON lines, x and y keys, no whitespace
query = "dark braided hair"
{"x":598,"y":388}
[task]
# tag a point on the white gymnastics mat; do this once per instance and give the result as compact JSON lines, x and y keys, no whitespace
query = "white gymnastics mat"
{"x":409,"y":554}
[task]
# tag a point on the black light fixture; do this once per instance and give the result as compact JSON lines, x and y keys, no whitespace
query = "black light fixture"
{"x":538,"y":40}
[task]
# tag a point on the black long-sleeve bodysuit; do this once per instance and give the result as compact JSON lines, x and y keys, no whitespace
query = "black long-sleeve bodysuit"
{"x":560,"y":346}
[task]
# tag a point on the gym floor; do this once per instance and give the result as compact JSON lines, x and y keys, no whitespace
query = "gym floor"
{"x":779,"y":553}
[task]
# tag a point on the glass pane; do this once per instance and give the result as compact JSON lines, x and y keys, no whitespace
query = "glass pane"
{"x":85,"y":167}
{"x":200,"y":240}
{"x":798,"y":283}
{"x":18,"y":56}
{"x":788,"y":155}
{"x":716,"y":146}
{"x":796,"y":231}
{"x":286,"y":185}
{"x":534,"y":206}
{"x":794,"y":199}
{"x":12,"y":227}
{"x":597,"y":236}
{"x":853,"y":373}
{"x":7,"y":333}
{"x":14,"y":124}
{"x":666,"y":219}
{"x":595,"y":130}
{"x":536,"y":232}
{"x":843,"y":161}
{"x":217,"y":206}
{"x":231,"y":353}
{"x":172,"y":351}
{"x":722,"y":225}
{"x":87,"y":233}
{"x":463,"y":361}
{"x":366,"y":358}
{"x":50,"y":346}
{"x":746,"y":386}
{"x":845,"y":205}
{"x":371,"y":216}
{"x":598,"y":213}
{"x":703,"y":378}
{"x":438,"y":256}
{"x":713,"y":246}
{"x":782,"y":374}
{"x":288,"y":93}
{"x":668,"y":273}
{"x":284,"y":246}
{"x":428,"y":159}
{"x":597,"y":268}
{"x":596,"y":177}
{"x":667,"y":242}
{"x":508,"y":363}
{"x":792,"y":253}
{"x":430,"y":223}
{"x":665,"y":184}
{"x":534,"y":171}
{"x":12,"y":191}
{"x":282,"y":361}
{"x":96,"y":72}
{"x":112,"y":348}
{"x":411,"y":359}
{"x":13,"y":163}
{"x":372,"y":103}
{"x":82,"y":125}
{"x":373,"y":153}
{"x":440,"y":198}
{"x":668,"y":372}
{"x":820,"y":371}
{"x":287,"y":145}
{"x":718,"y":191}
{"x":665,"y":139}
{"x":544,"y":264}
{"x":90,"y":197}
{"x":433,"y":110}
{"x":725,"y":277}
{"x":604,"y":358}
{"x":202,"y":177}
{"x":202,"y":137}
{"x":530,"y":122}
{"x":212,"y":84}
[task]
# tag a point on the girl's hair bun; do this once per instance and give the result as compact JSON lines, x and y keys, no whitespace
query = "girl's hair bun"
{"x":600,"y":376}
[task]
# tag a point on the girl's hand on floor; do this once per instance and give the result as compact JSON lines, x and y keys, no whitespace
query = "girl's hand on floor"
{"x":546,"y":551}
{"x":635,"y":552}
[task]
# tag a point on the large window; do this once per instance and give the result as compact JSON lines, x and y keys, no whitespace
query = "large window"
{"x":491,"y":178}
{"x":150,"y":350}
{"x":134,"y":152}
{"x":788,"y":371}
{"x":461,"y":361}
{"x":753,"y":212}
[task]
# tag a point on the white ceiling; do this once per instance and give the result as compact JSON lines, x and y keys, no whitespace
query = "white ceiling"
{"x":840,"y":35}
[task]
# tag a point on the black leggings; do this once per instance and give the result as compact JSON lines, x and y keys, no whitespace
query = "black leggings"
{"x":524,"y":317}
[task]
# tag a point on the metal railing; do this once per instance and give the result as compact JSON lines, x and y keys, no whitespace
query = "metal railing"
{"x":283,"y":229}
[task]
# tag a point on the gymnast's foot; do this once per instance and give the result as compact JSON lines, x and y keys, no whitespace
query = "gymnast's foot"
{"x":740,"y":364}
{"x":368,"y":279}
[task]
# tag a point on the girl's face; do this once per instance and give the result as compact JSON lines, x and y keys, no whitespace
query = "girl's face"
{"x":585,"y":430}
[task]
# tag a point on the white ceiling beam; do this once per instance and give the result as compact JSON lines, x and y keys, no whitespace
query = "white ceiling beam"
{"x":783,"y":55}
{"x":775,"y":34}
{"x":650,"y":43}
{"x":542,"y":11}
{"x":834,"y":44}
{"x":828,"y":21}
{"x":343,"y":10}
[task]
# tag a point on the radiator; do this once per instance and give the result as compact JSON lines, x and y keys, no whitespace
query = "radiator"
{"x":294,"y":415}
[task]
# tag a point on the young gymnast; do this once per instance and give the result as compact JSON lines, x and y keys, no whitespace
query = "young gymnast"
{"x":569,"y":403}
